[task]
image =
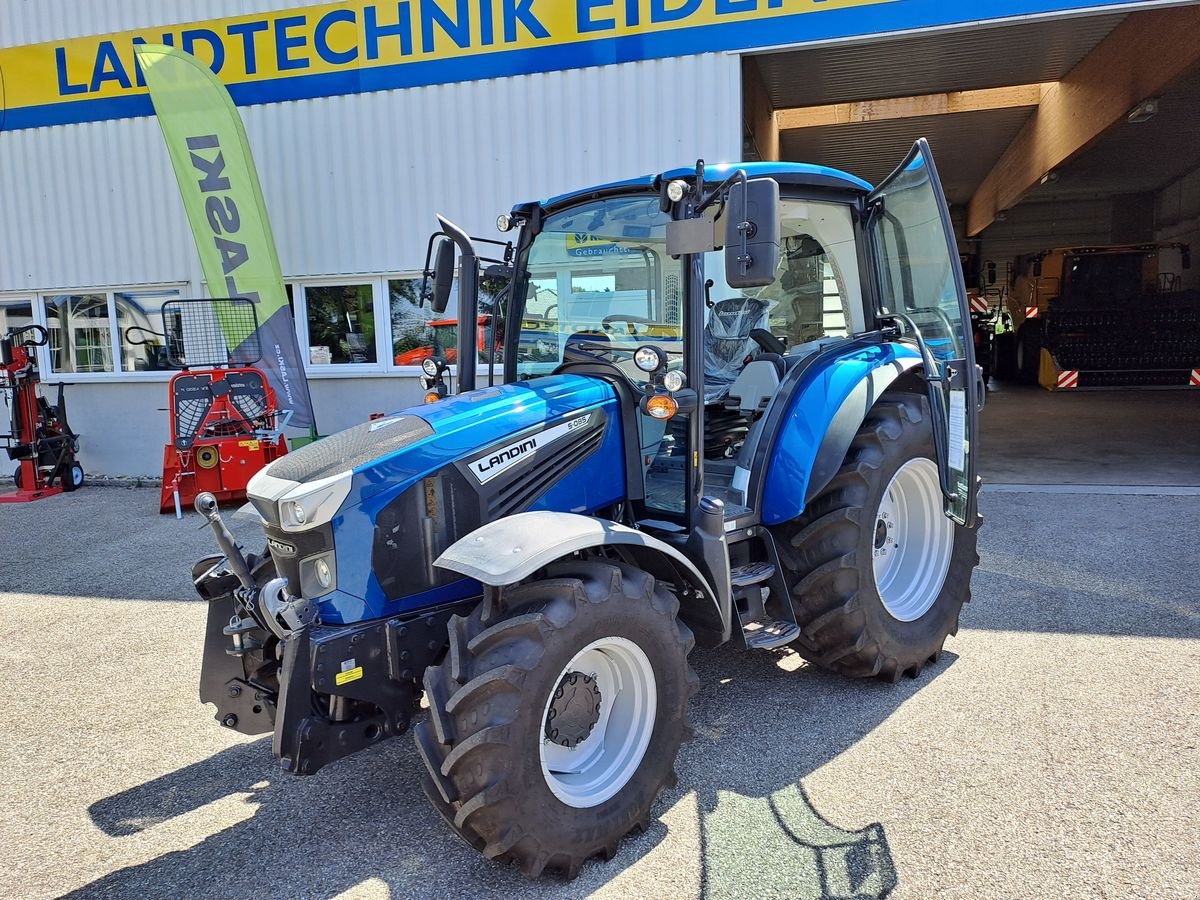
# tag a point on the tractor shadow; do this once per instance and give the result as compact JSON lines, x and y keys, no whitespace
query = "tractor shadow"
{"x":760,"y":730}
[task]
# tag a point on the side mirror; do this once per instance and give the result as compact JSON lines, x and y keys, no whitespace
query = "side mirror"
{"x":991,"y":273}
{"x":1037,"y":268}
{"x":1185,"y":256}
{"x":443,"y":275}
{"x":752,"y":233}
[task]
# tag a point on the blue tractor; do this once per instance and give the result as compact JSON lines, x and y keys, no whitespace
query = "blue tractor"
{"x":724,"y":405}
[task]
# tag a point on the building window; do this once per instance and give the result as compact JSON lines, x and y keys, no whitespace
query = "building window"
{"x":17,"y":313}
{"x":115,"y":331}
{"x":340,"y":320}
{"x":139,"y":315}
{"x":80,"y":328}
{"x":418,"y":333}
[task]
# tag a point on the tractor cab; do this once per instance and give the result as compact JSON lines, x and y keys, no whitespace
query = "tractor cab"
{"x":707,"y":296}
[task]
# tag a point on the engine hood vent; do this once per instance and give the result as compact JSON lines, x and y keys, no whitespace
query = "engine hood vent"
{"x":351,"y":448}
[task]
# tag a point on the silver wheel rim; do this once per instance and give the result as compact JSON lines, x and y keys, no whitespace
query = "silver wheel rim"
{"x":913,"y":541}
{"x":605,"y":761}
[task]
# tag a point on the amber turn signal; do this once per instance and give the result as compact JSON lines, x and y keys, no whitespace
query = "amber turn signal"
{"x":432,"y":396}
{"x":661,"y":406}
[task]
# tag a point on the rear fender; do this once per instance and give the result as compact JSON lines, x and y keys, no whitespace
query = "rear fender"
{"x":822,"y":416}
{"x":508,"y":550}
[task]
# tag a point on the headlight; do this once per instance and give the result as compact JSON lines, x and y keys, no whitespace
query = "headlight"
{"x":316,"y":503}
{"x":318,"y":575}
{"x":430,"y":367}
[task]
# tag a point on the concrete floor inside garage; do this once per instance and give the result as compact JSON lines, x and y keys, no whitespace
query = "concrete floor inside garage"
{"x":1132,"y":438}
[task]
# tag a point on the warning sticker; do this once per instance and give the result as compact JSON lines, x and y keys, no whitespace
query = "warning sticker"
{"x":249,"y":445}
{"x":348,"y":676}
{"x":958,"y":431}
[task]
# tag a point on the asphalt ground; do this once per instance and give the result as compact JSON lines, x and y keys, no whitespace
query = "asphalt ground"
{"x":1053,"y":751}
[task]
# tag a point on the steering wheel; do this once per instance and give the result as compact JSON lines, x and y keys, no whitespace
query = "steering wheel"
{"x":627,"y":317}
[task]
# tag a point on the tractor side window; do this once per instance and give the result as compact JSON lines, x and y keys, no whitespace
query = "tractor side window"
{"x":816,"y":293}
{"x":917,"y":274}
{"x":599,"y":274}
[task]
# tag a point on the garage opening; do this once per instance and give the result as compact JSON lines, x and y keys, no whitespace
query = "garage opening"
{"x":1069,"y":149}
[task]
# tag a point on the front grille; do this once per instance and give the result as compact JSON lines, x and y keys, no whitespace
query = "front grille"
{"x":287,"y":548}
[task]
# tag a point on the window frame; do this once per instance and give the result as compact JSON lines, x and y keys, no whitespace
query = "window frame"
{"x":49,"y":375}
{"x":379,"y":309}
{"x":380,"y":306}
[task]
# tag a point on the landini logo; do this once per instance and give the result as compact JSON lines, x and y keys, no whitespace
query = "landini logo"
{"x":496,"y":462}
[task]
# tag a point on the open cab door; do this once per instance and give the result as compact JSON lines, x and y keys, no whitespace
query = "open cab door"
{"x":921,"y":289}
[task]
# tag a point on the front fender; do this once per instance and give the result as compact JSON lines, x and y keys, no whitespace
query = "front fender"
{"x":821,"y":416}
{"x":513,"y":548}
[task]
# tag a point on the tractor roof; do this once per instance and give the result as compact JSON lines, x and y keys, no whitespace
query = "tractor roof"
{"x":783,"y":172}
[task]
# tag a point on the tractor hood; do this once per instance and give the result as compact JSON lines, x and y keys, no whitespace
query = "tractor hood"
{"x":347,"y":468}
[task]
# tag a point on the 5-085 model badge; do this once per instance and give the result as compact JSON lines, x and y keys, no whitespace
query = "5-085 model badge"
{"x":497,"y":461}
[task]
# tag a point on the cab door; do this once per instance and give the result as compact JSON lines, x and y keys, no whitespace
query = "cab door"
{"x":921,"y":289}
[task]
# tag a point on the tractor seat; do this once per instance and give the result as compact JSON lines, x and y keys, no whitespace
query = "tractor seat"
{"x":755,"y":386}
{"x":727,"y":342}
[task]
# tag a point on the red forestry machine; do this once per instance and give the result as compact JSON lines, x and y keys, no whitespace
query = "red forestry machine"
{"x":39,"y":438}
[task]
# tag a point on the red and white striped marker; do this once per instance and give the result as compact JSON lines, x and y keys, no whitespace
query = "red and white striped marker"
{"x":1195,"y":379}
{"x":1031,"y":312}
{"x":979,"y":305}
{"x":1068,"y":379}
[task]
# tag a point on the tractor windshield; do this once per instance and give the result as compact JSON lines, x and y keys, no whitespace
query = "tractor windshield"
{"x":598,"y":274}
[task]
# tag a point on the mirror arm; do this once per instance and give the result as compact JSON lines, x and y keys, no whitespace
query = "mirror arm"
{"x":425,"y":291}
{"x":720,"y":190}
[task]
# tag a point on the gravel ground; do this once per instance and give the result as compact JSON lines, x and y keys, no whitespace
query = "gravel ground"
{"x":1052,"y":752}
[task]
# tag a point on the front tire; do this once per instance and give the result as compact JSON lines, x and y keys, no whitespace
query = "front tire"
{"x":1029,"y":352}
{"x":1004,"y":357}
{"x":555,"y":721}
{"x":878,"y":574}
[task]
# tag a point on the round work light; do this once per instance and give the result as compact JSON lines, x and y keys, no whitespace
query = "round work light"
{"x":649,"y":359}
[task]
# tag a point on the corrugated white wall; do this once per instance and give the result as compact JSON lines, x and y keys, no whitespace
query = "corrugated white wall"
{"x":352,"y":183}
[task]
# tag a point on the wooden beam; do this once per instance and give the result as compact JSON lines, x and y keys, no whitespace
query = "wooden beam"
{"x":1139,"y":59}
{"x":758,"y":111}
{"x":909,"y":107}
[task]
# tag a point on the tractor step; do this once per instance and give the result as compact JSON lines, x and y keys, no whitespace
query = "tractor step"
{"x":767,"y":634}
{"x":754,"y":573}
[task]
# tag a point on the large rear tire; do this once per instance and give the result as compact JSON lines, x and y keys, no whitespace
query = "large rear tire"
{"x":555,"y":720}
{"x":878,"y":573}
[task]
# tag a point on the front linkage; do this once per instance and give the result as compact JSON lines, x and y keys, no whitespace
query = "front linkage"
{"x":326,"y":691}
